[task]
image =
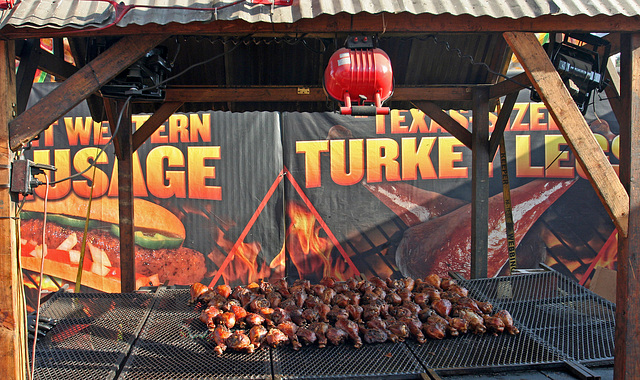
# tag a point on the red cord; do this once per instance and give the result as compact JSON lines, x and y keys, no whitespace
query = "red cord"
{"x":122,"y":9}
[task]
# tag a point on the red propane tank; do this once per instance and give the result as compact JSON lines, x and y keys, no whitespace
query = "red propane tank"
{"x":359,"y":76}
{"x":6,"y":4}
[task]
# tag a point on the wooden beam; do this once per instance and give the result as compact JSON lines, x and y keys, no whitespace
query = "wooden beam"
{"x":29,"y":59}
{"x":573,"y":126}
{"x":480,"y":184}
{"x":301,"y":93}
{"x":446,"y":122}
{"x":125,"y":196}
{"x":505,"y":87}
{"x":501,"y":123}
{"x":79,"y":86}
{"x":12,"y":322}
{"x":328,"y":25}
{"x":627,"y":335}
{"x":160,"y":116}
{"x":56,"y":66}
{"x":53,"y":64}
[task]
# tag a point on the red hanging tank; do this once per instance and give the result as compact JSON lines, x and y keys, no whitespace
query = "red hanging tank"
{"x":6,"y":4}
{"x":361,"y":76}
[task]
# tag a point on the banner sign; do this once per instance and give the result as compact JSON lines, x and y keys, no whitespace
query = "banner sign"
{"x":239,"y":197}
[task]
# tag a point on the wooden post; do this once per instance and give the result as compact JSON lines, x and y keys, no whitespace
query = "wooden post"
{"x":12,"y":334}
{"x":480,"y":183}
{"x":627,"y":336}
{"x":125,"y":195}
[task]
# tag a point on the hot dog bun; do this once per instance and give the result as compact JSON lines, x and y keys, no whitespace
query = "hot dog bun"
{"x":68,"y":272}
{"x":147,"y":216}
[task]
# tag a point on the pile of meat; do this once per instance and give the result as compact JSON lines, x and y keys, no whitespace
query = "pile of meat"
{"x":373,"y":311}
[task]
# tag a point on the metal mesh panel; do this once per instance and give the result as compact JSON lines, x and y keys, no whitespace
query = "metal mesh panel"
{"x":173,"y":345}
{"x":92,"y":336}
{"x":97,"y":305}
{"x":76,"y":364}
{"x":165,"y":361}
{"x":558,"y":319}
{"x":555,"y":311}
{"x":483,"y":351}
{"x":344,"y":361}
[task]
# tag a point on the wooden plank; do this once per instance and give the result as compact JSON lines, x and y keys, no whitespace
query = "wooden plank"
{"x":195,"y":94}
{"x":125,"y":197}
{"x":501,"y":123}
{"x":627,"y":335}
{"x":480,"y":183}
{"x":12,"y":335}
{"x":29,"y":59}
{"x":446,"y":121}
{"x":573,"y":126}
{"x":160,"y":116}
{"x":79,"y":86}
{"x":328,"y":25}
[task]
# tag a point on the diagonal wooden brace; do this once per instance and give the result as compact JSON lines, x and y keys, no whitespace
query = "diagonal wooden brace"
{"x":573,"y":126}
{"x":79,"y":86}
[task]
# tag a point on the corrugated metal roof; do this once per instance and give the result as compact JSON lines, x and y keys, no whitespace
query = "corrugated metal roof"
{"x":92,"y":13}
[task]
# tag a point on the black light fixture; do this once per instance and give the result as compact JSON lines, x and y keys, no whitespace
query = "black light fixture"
{"x":581,"y":61}
{"x":143,"y":80}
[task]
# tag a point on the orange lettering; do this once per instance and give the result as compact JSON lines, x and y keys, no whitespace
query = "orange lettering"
{"x":417,"y":158}
{"x":312,"y":150}
{"x":200,"y":173}
{"x":396,"y":119}
{"x":164,"y":183}
{"x":61,"y":160}
{"x":200,"y":128}
{"x":523,"y":159}
{"x":178,"y":128}
{"x":339,"y":173}
{"x":382,"y":153}
{"x":447,"y":157}
{"x":83,"y":160}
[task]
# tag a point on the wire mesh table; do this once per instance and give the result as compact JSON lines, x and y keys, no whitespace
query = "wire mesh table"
{"x":158,"y":335}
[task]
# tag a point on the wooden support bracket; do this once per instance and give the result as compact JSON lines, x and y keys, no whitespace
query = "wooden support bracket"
{"x":501,"y":123}
{"x":160,"y":116}
{"x":446,"y":121}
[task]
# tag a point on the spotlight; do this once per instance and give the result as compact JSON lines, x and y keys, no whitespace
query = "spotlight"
{"x":143,"y":79}
{"x":581,"y":61}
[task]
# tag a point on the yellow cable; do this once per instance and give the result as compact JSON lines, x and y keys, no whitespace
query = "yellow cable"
{"x":84,"y":236}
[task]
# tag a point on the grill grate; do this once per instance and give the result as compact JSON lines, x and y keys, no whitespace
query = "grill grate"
{"x":173,"y":345}
{"x":387,"y":359}
{"x":555,"y":311}
{"x":558,"y":319}
{"x":93,"y":334}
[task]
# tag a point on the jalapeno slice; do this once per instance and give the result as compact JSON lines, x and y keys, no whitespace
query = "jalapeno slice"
{"x":64,"y":220}
{"x":150,"y":240}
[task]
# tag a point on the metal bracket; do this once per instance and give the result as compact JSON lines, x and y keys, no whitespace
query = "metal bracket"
{"x":580,"y":370}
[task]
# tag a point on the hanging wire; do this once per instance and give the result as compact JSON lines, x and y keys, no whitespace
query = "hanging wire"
{"x":104,"y":147}
{"x":469,"y":58}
